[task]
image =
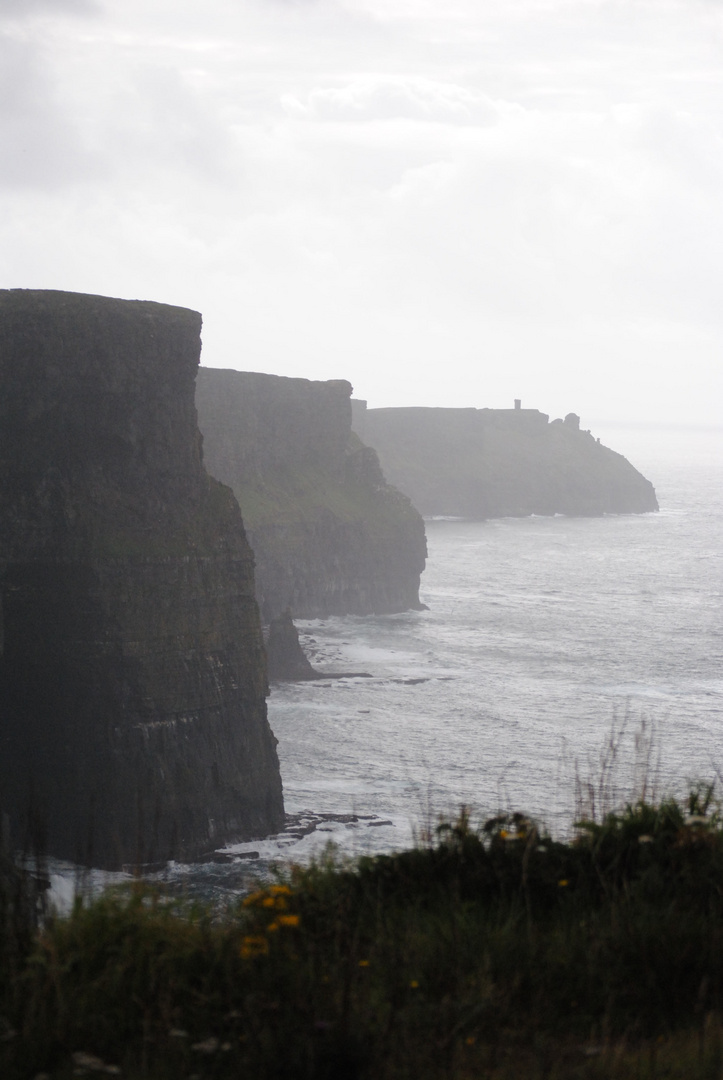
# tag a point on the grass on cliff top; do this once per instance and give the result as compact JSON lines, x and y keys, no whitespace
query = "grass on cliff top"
{"x":493,"y":951}
{"x":305,"y":496}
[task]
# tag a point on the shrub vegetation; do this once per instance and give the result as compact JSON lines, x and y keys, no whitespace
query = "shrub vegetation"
{"x":494,"y":951}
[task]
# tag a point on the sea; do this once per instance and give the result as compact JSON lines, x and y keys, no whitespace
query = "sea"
{"x":561,"y":667}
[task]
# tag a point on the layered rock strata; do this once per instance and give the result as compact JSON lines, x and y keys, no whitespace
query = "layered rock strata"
{"x":132,"y":678}
{"x":329,"y":534}
{"x":483,"y":463}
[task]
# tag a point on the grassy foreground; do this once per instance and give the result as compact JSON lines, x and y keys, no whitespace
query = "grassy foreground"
{"x":493,"y":952}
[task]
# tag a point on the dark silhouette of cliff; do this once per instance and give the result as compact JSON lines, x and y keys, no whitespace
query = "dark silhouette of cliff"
{"x":483,"y":463}
{"x":329,"y":534}
{"x":132,"y":676}
{"x":287,"y":660}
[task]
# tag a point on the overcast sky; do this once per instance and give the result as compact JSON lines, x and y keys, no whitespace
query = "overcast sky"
{"x":447,"y":202}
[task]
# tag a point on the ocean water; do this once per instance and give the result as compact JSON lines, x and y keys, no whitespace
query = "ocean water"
{"x":543,"y":639}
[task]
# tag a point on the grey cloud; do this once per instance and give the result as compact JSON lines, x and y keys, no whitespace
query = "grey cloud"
{"x":675,"y":140}
{"x":515,"y":173}
{"x":24,"y":8}
{"x":160,"y":121}
{"x":38,"y":147}
{"x":372,"y":99}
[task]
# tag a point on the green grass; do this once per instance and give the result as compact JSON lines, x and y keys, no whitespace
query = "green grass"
{"x":303,"y":496}
{"x":494,"y":951}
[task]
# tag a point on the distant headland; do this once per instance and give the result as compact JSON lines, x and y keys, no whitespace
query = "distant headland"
{"x":487,"y":463}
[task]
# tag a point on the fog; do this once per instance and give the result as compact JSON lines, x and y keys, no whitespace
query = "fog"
{"x":447,"y":204}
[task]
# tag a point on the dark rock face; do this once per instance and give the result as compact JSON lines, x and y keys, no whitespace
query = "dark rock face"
{"x":132,"y":678}
{"x":481,"y":463}
{"x":329,"y":534}
{"x":287,"y":659}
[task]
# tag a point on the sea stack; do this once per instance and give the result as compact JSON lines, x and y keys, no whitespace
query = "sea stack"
{"x":488,"y":463}
{"x":132,"y":676}
{"x":330,"y":535}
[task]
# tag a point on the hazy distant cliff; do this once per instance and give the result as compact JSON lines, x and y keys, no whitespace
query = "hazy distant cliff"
{"x":132,"y":676}
{"x":481,"y":463}
{"x":330,"y":536}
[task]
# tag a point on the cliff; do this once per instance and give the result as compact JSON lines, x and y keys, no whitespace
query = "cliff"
{"x":329,"y":534}
{"x":482,"y":463}
{"x":132,"y":677}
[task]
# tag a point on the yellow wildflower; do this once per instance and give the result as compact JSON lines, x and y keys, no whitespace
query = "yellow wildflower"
{"x":253,"y":945}
{"x":363,"y":963}
{"x":253,"y":898}
{"x":563,"y":882}
{"x":272,"y":927}
{"x":288,"y":920}
{"x":280,"y":890}
{"x":414,"y":984}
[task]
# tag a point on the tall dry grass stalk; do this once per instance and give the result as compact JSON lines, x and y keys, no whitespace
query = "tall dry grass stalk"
{"x":626,"y":770}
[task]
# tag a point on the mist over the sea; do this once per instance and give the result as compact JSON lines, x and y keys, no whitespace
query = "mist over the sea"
{"x":541,"y":635}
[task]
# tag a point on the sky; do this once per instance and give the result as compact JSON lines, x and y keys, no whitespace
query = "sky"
{"x":446,"y":202}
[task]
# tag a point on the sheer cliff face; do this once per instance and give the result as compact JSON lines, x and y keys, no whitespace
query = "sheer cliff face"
{"x":132,"y":677}
{"x":330,"y":536}
{"x":481,"y":463}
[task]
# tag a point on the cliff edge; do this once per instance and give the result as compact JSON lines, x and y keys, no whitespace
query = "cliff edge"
{"x":483,"y":463}
{"x":329,"y":534}
{"x":132,"y":677}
